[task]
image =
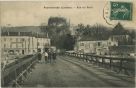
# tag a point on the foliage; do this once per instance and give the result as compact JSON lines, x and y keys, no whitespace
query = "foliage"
{"x":96,"y":32}
{"x":57,"y":21}
{"x":58,"y":31}
{"x":66,"y":42}
{"x":119,"y":30}
{"x":100,"y":32}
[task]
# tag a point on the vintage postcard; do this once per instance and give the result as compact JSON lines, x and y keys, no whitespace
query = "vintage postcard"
{"x":69,"y":43}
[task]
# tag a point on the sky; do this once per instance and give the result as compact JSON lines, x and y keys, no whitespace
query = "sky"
{"x":35,"y":13}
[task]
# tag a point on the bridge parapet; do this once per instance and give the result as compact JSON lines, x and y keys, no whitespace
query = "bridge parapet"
{"x":125,"y":65}
{"x":13,"y":73}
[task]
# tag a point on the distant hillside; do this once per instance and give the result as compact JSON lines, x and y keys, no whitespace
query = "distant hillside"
{"x":22,"y":29}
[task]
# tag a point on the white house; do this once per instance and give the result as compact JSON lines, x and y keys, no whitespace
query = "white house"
{"x":43,"y":43}
{"x":91,"y":46}
{"x":23,"y":44}
{"x":99,"y":47}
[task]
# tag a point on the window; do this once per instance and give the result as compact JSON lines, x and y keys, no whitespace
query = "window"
{"x":16,"y":39}
{"x":99,"y":43}
{"x":22,"y":39}
{"x":38,"y":43}
{"x":4,"y":45}
{"x":81,"y":44}
{"x":17,"y":51}
{"x":114,"y":45}
{"x":19,"y":45}
{"x":10,"y":39}
{"x":87,"y":45}
{"x":4,"y":39}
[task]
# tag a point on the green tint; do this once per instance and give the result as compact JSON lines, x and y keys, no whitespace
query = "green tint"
{"x":121,"y":11}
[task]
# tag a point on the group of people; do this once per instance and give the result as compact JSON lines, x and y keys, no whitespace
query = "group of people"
{"x":49,"y":56}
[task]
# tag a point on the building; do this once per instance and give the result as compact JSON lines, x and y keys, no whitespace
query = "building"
{"x":23,"y":44}
{"x":121,"y":39}
{"x":17,"y":43}
{"x":89,"y":46}
{"x":99,"y":47}
{"x":42,"y":43}
{"x":115,"y":45}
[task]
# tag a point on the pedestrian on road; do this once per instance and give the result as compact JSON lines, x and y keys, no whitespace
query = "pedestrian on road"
{"x":54,"y":56}
{"x":46,"y":57}
{"x":39,"y":55}
{"x":49,"y":56}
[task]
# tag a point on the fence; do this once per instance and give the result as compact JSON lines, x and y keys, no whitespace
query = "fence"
{"x":14,"y":73}
{"x":124,"y":65}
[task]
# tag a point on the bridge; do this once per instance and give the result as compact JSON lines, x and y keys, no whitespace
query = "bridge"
{"x":70,"y":70}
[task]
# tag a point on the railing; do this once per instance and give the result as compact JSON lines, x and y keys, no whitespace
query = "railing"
{"x":118,"y":64}
{"x":14,"y":73}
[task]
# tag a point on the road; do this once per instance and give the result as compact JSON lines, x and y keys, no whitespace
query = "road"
{"x":67,"y":72}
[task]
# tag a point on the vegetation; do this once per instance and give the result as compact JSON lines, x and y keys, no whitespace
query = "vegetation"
{"x":96,"y":32}
{"x":66,"y":42}
{"x":58,"y":31}
{"x":119,"y":30}
{"x":100,"y":32}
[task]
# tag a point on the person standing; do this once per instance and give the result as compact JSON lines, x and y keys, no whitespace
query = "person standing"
{"x":39,"y":56}
{"x":49,"y":56}
{"x":46,"y":56}
{"x":54,"y":56}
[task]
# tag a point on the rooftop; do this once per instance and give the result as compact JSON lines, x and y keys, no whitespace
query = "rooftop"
{"x":86,"y":38}
{"x":23,"y":31}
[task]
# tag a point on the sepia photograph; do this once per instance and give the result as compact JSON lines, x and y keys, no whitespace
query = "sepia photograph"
{"x":75,"y":44}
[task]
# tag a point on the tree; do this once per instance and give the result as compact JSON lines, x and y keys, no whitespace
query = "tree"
{"x":80,"y":29}
{"x":66,"y":42}
{"x":57,"y":21}
{"x":133,"y":34}
{"x":95,"y":32}
{"x":43,"y":27}
{"x":57,"y":26}
{"x":119,"y":30}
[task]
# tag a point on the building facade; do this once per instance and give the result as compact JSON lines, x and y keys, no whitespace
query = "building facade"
{"x":99,"y":47}
{"x":23,"y":44}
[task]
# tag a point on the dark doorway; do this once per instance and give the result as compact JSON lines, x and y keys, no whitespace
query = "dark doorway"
{"x":23,"y":51}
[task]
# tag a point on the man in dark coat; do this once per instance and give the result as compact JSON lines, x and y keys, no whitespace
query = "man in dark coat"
{"x":54,"y":56}
{"x":49,"y":56}
{"x":39,"y":55}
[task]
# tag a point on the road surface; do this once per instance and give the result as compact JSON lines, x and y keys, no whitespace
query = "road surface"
{"x":69,"y":72}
